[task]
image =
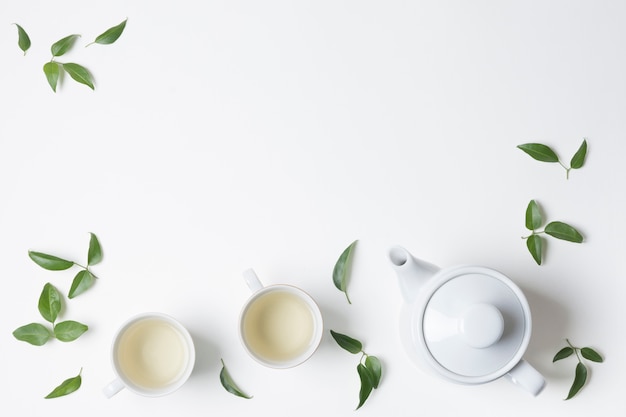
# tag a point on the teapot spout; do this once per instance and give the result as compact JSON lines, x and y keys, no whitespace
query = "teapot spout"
{"x":412,"y":273}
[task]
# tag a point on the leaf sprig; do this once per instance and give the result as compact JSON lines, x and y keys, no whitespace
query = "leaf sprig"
{"x":580,"y":376}
{"x":84,"y":279}
{"x":369,"y":367}
{"x":544,"y":153}
{"x":229,"y":384}
{"x":556,"y":229}
{"x":49,"y":307}
{"x":341,"y":270}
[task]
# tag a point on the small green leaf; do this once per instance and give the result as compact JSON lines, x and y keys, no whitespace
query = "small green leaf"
{"x":563,"y":231}
{"x":539,"y":152}
{"x":366,"y":384}
{"x":563,"y":353}
{"x":81,"y":283}
{"x":33,"y":333}
{"x":533,"y":216}
{"x":341,"y":269}
{"x":52,"y":71}
{"x":61,"y":46}
{"x":579,"y":380}
{"x":79,"y":74}
{"x":23,"y":41}
{"x":94,"y":255}
{"x":578,"y":160}
{"x":590,"y":354}
{"x":50,"y":262}
{"x":69,"y":330}
{"x":347,"y":343}
{"x":535,"y":247}
{"x":67,"y":387}
{"x":49,"y":303}
{"x":110,"y":35}
{"x":373,"y":365}
{"x":229,"y":385}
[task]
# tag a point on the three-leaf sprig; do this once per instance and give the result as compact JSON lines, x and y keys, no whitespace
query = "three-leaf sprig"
{"x":580,"y":376}
{"x":54,"y":69}
{"x":544,"y":153}
{"x":84,"y":279}
{"x":369,"y":367}
{"x":556,"y":229}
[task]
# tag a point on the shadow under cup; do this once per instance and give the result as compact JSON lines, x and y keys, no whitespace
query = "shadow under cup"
{"x":153,"y":355}
{"x":280,"y":326}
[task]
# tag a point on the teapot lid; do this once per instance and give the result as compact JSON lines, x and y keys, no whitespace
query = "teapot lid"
{"x":475,"y":324}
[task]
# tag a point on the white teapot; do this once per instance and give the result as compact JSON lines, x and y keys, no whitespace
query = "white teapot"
{"x":467,"y":324}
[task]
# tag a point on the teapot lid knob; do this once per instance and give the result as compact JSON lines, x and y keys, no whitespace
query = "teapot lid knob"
{"x":481,"y":325}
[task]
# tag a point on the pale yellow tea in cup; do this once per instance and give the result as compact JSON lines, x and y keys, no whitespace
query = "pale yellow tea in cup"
{"x":278,"y":326}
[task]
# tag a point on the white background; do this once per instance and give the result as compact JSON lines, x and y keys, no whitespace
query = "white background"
{"x":224,"y":135}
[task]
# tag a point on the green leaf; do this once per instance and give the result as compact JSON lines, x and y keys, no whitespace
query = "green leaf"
{"x":535,"y":247}
{"x":67,"y":387}
{"x":79,"y":74}
{"x":69,"y":330}
{"x":33,"y":333}
{"x":579,"y":380}
{"x":590,"y":354}
{"x":23,"y":41}
{"x":578,"y":160}
{"x":563,"y":353}
{"x":228,"y":383}
{"x":52,"y":71}
{"x":94,"y":255}
{"x":110,"y":35}
{"x":533,"y":216}
{"x":539,"y":152}
{"x":563,"y":231}
{"x":347,"y":343}
{"x":81,"y":283}
{"x":375,"y":368}
{"x":341,"y":269}
{"x":50,"y":262}
{"x":366,"y":384}
{"x":49,"y":303}
{"x":61,"y":46}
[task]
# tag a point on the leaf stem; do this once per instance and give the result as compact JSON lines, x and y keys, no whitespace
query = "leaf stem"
{"x":575,"y":349}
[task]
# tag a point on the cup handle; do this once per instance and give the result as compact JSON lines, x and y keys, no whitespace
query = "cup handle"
{"x":527,"y":377}
{"x":254,"y":283}
{"x":113,"y":388}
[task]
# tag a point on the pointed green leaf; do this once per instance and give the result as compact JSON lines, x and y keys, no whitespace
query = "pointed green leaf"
{"x":563,"y":353}
{"x":563,"y":231}
{"x":94,"y":255}
{"x":67,"y":387}
{"x":33,"y":333}
{"x":228,"y":383}
{"x":578,"y":160}
{"x":52,"y":71}
{"x":23,"y":41}
{"x":366,"y":384}
{"x":110,"y":35}
{"x":539,"y":152}
{"x":50,"y":262}
{"x":81,"y":283}
{"x":533,"y":216}
{"x":61,"y":46}
{"x":79,"y":74}
{"x":590,"y":354}
{"x":347,"y":343}
{"x":373,"y":365}
{"x":69,"y":330}
{"x":341,"y":269}
{"x":49,"y":303}
{"x":579,"y":380}
{"x":535,"y":247}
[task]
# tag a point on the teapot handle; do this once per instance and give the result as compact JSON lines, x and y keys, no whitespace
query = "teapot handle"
{"x":527,"y":377}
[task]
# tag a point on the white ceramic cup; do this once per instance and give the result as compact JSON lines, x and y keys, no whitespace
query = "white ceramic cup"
{"x":152,"y":355}
{"x":280,"y":326}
